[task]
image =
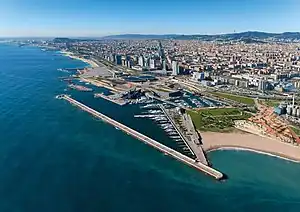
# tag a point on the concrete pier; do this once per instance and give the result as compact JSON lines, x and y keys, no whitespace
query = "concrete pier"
{"x":120,"y":102}
{"x":191,"y":144}
{"x":164,"y":100}
{"x":197,"y":165}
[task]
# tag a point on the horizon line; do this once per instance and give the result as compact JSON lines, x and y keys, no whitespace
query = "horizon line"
{"x":150,"y":34}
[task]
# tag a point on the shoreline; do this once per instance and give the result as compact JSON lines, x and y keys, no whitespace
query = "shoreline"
{"x":252,"y":143}
{"x":237,"y":148}
{"x":70,"y":55}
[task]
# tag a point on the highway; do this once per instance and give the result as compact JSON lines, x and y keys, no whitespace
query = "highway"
{"x":197,"y":165}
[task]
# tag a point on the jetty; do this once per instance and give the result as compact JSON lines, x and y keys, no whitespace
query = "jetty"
{"x":111,"y":98}
{"x":151,"y":142}
{"x":164,"y":100}
{"x":191,"y":144}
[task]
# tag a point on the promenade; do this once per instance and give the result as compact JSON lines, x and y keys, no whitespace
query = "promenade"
{"x":197,"y":165}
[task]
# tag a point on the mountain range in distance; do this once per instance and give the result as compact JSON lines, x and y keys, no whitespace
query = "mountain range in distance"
{"x":246,"y":36}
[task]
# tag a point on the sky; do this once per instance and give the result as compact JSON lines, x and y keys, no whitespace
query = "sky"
{"x":93,"y":18}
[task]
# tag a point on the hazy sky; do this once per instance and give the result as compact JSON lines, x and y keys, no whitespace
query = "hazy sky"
{"x":104,"y":17}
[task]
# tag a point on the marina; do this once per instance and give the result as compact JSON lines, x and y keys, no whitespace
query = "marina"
{"x":154,"y":108}
{"x":192,"y":141}
{"x":164,"y":121}
{"x":189,"y":101}
{"x":170,"y":152}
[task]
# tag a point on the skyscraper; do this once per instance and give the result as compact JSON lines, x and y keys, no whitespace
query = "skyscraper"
{"x":129,"y":64}
{"x":164,"y":66}
{"x":141,"y":61}
{"x":175,"y":68}
{"x":262,"y":85}
{"x":118,"y":59}
{"x":152,"y":63}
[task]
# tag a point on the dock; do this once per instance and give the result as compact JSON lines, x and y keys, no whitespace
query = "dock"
{"x":193,"y":144}
{"x":164,"y":100}
{"x":151,"y":142}
{"x":119,"y":101}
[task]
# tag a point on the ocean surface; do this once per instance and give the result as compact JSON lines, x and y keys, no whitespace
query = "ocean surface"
{"x":57,"y":158}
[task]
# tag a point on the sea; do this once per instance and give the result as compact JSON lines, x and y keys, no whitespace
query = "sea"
{"x":57,"y":158}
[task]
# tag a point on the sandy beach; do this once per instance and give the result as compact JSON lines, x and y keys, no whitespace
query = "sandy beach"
{"x":71,"y":55}
{"x":245,"y":141}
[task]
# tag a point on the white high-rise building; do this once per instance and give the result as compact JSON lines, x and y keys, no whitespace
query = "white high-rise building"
{"x":152,"y":63}
{"x":164,"y":67}
{"x":262,"y":85}
{"x":141,"y":61}
{"x":175,"y":68}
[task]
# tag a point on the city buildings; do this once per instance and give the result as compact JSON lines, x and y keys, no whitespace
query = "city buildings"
{"x":118,"y":59}
{"x":141,"y":61}
{"x":262,"y":85}
{"x":265,"y":66}
{"x":175,"y":68}
{"x":152,"y":63}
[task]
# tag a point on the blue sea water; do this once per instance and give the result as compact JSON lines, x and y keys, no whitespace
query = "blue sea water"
{"x":56,"y":158}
